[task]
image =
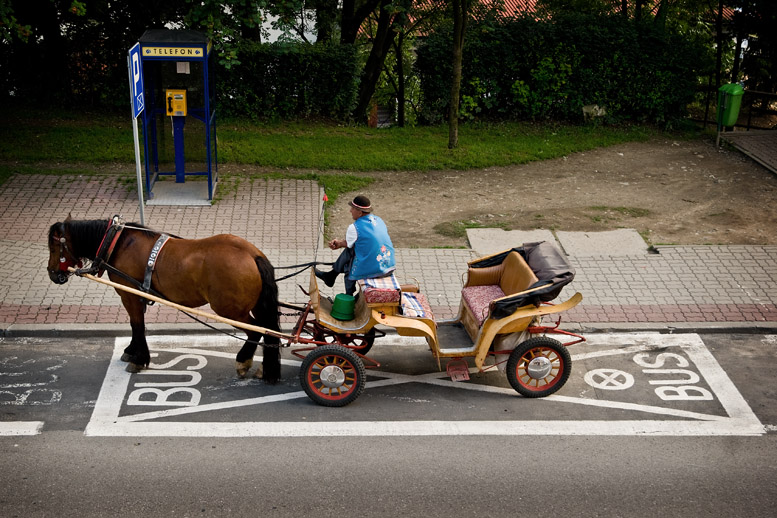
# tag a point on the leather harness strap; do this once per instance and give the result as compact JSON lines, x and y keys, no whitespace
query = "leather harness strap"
{"x":152,"y":257}
{"x":105,"y":250}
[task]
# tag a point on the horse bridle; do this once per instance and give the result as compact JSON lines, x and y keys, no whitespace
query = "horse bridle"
{"x":64,"y":263}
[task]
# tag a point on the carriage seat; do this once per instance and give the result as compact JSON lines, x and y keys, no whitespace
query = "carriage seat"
{"x":484,"y":285}
{"x":381,"y":291}
{"x":386,"y":291}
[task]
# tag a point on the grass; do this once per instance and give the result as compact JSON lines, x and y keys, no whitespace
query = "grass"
{"x":28,"y":137}
{"x":458,"y":229}
{"x":606,"y":213}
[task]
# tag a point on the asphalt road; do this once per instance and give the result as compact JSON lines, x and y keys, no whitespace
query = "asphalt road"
{"x":669,"y":425}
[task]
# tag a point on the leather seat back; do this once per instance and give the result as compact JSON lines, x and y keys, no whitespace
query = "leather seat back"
{"x":517,"y":276}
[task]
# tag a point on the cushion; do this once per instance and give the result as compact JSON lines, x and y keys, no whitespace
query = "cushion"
{"x":478,"y":298}
{"x":380,"y":290}
{"x":416,"y":305}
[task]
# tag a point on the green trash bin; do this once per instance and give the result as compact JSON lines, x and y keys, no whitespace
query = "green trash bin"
{"x":729,"y":102}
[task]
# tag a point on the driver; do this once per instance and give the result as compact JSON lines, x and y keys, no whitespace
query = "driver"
{"x":368,"y":252}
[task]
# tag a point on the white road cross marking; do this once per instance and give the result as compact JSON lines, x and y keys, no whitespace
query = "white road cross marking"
{"x":739,"y":419}
{"x":609,"y":379}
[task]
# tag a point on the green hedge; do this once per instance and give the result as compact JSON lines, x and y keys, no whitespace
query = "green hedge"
{"x":528,"y":69}
{"x":289,"y":81}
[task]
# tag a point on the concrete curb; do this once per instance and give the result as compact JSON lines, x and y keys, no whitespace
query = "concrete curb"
{"x":113,"y":330}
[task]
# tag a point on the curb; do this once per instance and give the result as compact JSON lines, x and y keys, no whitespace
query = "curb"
{"x":113,"y":330}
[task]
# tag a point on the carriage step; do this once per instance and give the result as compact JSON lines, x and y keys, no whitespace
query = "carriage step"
{"x":458,"y":370}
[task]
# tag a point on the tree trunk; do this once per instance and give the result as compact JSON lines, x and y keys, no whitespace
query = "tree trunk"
{"x":460,"y":10}
{"x":400,"y":81}
{"x":384,"y":36}
{"x":326,"y":17}
{"x":353,"y":18}
{"x":719,"y":42}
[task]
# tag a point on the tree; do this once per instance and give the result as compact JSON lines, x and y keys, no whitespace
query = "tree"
{"x":461,"y":10}
{"x":387,"y":17}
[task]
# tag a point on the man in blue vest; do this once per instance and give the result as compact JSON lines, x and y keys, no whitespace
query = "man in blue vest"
{"x":368,"y":252}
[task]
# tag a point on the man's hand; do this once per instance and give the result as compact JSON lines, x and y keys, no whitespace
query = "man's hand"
{"x":337,"y":243}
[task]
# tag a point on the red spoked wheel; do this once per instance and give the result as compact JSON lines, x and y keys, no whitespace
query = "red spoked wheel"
{"x":333,"y":376}
{"x":539,"y":367}
{"x":359,"y":343}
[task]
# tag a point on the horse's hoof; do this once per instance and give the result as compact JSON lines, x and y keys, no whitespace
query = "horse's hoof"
{"x":126,"y":358}
{"x":134,"y":368}
{"x":259,"y":373}
{"x":271,"y":381}
{"x":243,"y":367}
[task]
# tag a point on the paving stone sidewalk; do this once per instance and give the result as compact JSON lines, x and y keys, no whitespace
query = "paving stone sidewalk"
{"x":723,"y":286}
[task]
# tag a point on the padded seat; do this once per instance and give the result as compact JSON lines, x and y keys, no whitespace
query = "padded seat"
{"x":485,"y":285}
{"x":381,"y":290}
{"x":415,"y":305}
{"x":478,"y":298}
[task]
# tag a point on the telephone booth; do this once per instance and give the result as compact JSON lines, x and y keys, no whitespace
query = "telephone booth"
{"x":179,"y":119}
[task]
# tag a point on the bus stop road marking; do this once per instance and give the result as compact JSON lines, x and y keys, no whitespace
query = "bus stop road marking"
{"x":739,"y":419}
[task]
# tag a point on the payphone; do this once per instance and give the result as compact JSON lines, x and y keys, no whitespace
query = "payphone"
{"x":176,"y":103}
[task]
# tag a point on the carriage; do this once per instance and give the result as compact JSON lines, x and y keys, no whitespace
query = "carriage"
{"x":504,"y":303}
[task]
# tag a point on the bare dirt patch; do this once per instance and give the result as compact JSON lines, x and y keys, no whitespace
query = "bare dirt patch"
{"x":670,"y":191}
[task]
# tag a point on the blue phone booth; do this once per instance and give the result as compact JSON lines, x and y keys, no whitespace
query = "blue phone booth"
{"x":179,"y":119}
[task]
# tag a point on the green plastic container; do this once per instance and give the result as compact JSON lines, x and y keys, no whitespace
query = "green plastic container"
{"x":729,"y":103}
{"x":343,"y":307}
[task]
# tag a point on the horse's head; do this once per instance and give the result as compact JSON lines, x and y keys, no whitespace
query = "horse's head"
{"x":61,"y":256}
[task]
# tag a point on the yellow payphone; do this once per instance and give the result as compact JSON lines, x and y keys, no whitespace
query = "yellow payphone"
{"x":175,"y":102}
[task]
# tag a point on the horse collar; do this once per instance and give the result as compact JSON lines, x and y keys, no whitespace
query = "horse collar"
{"x":111,"y":237}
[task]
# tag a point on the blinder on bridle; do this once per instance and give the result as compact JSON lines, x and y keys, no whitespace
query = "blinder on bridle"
{"x":62,"y":273}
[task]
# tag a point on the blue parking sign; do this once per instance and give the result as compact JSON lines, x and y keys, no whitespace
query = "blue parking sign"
{"x":136,"y":80}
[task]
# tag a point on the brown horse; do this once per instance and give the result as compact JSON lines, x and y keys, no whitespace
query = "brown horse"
{"x":226,"y":271}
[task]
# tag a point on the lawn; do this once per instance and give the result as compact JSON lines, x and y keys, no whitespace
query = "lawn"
{"x":30,"y":136}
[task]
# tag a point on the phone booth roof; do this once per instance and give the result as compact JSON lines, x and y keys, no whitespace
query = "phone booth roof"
{"x":166,"y":44}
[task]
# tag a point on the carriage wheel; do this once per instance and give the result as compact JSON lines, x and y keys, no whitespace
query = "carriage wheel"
{"x":332,"y":375}
{"x":359,"y":343}
{"x":539,"y":367}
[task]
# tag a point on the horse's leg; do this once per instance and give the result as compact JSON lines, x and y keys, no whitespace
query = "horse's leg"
{"x":265,"y":314}
{"x":136,"y":353}
{"x":245,"y":357}
{"x":271,"y":350}
{"x":270,"y":370}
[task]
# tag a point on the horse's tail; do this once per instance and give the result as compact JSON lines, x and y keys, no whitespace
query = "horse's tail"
{"x":266,"y":308}
{"x":266,"y":315}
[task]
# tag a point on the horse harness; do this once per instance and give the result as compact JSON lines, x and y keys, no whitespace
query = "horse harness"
{"x":105,"y":251}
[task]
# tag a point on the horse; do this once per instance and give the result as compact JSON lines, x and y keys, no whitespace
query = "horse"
{"x":226,"y":271}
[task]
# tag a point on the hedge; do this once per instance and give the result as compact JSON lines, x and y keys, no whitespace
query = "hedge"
{"x":289,"y":81}
{"x":528,"y":69}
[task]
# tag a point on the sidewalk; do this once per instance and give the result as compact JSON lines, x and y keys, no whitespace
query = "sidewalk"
{"x":624,"y":285}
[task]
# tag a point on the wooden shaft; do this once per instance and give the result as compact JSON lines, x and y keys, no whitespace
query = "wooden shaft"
{"x":193,"y":311}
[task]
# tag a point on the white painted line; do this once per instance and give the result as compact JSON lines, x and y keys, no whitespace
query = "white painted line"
{"x":740,"y":421}
{"x":429,"y":428}
{"x":21,"y":427}
{"x":213,"y":406}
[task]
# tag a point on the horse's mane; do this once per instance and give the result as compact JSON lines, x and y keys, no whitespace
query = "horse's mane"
{"x":85,"y":235}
